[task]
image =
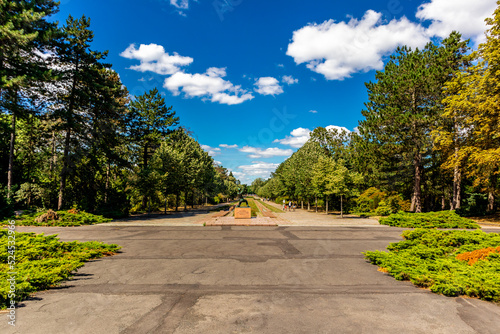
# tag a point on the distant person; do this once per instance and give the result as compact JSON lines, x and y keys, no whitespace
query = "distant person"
{"x":284,"y":205}
{"x":290,"y":206}
{"x":294,"y":206}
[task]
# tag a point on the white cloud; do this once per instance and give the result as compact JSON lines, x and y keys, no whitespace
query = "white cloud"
{"x":209,"y":85}
{"x":153,"y":58}
{"x":464,"y":16}
{"x":258,"y":169}
{"x":338,"y":128}
{"x":256,"y":153}
{"x":211,"y":151}
{"x":338,"y":50}
{"x":228,"y":146}
{"x":181,"y":4}
{"x":313,"y":111}
{"x":268,"y":86}
{"x":297,"y":138}
{"x":300,"y":136}
{"x":289,"y":80}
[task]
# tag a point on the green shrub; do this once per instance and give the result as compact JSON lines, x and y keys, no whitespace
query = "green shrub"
{"x":442,"y":219}
{"x":6,"y":204}
{"x":43,"y":261}
{"x":383,"y":209}
{"x":474,"y":205}
{"x":428,"y":259}
{"x":66,"y":218}
{"x":369,"y":200}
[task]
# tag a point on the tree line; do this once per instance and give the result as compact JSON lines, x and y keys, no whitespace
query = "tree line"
{"x":72,"y":136}
{"x":430,"y":136}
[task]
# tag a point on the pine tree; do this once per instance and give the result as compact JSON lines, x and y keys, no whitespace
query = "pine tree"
{"x":150,"y":121}
{"x":78,"y":68}
{"x":24,"y":33}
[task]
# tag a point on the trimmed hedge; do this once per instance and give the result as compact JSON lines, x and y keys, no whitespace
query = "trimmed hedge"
{"x":66,"y":218}
{"x":442,"y":219}
{"x":432,"y":259}
{"x":41,"y":262}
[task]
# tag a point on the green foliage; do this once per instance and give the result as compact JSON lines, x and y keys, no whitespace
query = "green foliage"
{"x":428,"y":259}
{"x":442,"y":219}
{"x":383,"y":209}
{"x":43,"y":261}
{"x":369,"y":200}
{"x":65,"y":219}
{"x":6,"y":204}
{"x":474,"y":204}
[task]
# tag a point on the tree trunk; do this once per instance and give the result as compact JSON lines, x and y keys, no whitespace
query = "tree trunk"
{"x":491,"y":202}
{"x":308,"y":205}
{"x":185,"y":200}
{"x":145,"y":166}
{"x":341,"y":207}
{"x":302,"y":204}
{"x":327,"y":205}
{"x":166,"y":202}
{"x":107,"y":184}
{"x":53,"y":161}
{"x":65,"y":169}
{"x":316,"y":203}
{"x":457,"y":184}
{"x":10,"y":175}
{"x":176,"y":201}
{"x":417,"y":191}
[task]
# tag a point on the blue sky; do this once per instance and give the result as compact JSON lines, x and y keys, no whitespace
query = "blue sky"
{"x":251,"y":78}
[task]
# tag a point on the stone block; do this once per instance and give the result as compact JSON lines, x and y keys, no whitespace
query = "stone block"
{"x":242,"y":213}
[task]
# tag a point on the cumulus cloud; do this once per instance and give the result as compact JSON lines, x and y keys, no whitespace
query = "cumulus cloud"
{"x":258,"y":169}
{"x":256,"y":153}
{"x":211,"y":151}
{"x":289,"y":80}
{"x":228,"y":146}
{"x":209,"y":85}
{"x":313,"y":111}
{"x":338,"y":128}
{"x":337,"y":50}
{"x":300,"y":136}
{"x":464,"y":16}
{"x":268,"y":86}
{"x":297,"y":138}
{"x":153,"y":58}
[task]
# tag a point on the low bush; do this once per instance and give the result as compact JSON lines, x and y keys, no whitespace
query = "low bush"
{"x":442,"y":219}
{"x":433,"y":259}
{"x":41,"y":262}
{"x":64,"y":218}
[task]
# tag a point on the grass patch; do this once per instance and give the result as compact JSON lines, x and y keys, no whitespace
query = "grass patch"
{"x":62,"y":218}
{"x":41,"y":262}
{"x":270,"y":207}
{"x":442,"y":219}
{"x":451,"y":263}
{"x":253,"y":206}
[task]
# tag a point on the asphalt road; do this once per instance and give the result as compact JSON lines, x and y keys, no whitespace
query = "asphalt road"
{"x":242,"y":280}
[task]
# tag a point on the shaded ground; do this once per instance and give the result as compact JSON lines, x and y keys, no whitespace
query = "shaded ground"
{"x":243,"y":280}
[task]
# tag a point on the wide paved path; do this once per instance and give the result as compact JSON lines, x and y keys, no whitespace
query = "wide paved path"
{"x":242,"y":280}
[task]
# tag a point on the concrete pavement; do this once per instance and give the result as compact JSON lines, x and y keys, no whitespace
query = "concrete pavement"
{"x":185,"y":279}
